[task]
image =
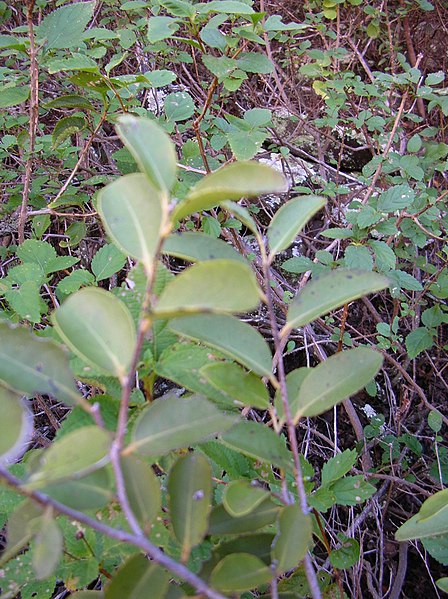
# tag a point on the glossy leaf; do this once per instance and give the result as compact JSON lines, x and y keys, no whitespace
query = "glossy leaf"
{"x":290,"y":219}
{"x":98,"y":327}
{"x":241,"y":497}
{"x":47,"y":547}
{"x":240,"y":572}
{"x":138,"y":578}
{"x":142,"y":489}
{"x":245,"y":388}
{"x":260,"y":442}
{"x":16,"y":426}
{"x":175,"y":422}
{"x":226,"y":333}
{"x":222,"y":523}
{"x":190,"y":493}
{"x":152,"y":149}
{"x":431,"y":520}
{"x":212,"y":286}
{"x":30,"y":365}
{"x":330,"y":291}
{"x":132,"y":212}
{"x":75,"y":454}
{"x":199,"y":246}
{"x":291,"y":544}
{"x":231,"y":182}
{"x":334,"y":380}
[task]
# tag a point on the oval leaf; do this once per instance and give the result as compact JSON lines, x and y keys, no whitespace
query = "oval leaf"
{"x":291,"y":543}
{"x":241,"y":497}
{"x":290,"y":219}
{"x":175,"y":422}
{"x":330,"y":291}
{"x":234,"y":338}
{"x":241,"y":386}
{"x":431,"y":520}
{"x":215,"y":285}
{"x":30,"y":365}
{"x":91,"y":492}
{"x":231,"y":182}
{"x":152,"y":149}
{"x":142,"y":489}
{"x":47,"y":547}
{"x":240,"y":572}
{"x":98,"y":327}
{"x":138,"y":578}
{"x":16,"y":426}
{"x":334,"y":380}
{"x":199,"y":246}
{"x":294,"y":380}
{"x":190,"y":491}
{"x":222,"y":523}
{"x":132,"y":212}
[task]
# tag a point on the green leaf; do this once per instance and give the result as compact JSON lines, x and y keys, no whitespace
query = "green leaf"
{"x":358,"y":257}
{"x":74,"y":281}
{"x":66,"y":127}
{"x":403,"y":280}
{"x":294,"y":380}
{"x":64,"y":27}
{"x":245,"y":388}
{"x":190,"y":492}
{"x":225,"y":6}
{"x":138,"y":578}
{"x":435,"y":420}
{"x":132,"y":213}
{"x":90,"y":492}
{"x":16,"y":426}
{"x":291,"y":544}
{"x":75,"y":62}
{"x":255,"y":62}
{"x":37,"y":252}
{"x":241,"y":214}
{"x":88,"y":594}
{"x":418,"y":341}
{"x":334,"y":380}
{"x":297,"y":265}
{"x":258,"y":117}
{"x":25,"y":300}
{"x":175,"y":422}
{"x":231,"y":182}
{"x":290,"y":219}
{"x":142,"y":489}
{"x":161,"y":28}
{"x":396,"y":198}
{"x":260,"y":442}
{"x":179,"y":106}
{"x":385,"y":257}
{"x":70,"y":101}
{"x":98,"y":327}
{"x":195,"y":246}
{"x":245,"y":144}
{"x":160,"y":77}
{"x":13,"y":96}
{"x":328,"y":292}
{"x":347,"y":555}
{"x":77,"y":453}
{"x":240,"y":572}
{"x":431,"y":520}
{"x":47,"y":547}
{"x":178,"y":8}
{"x":442,"y":583}
{"x":338,"y":466}
{"x":241,"y":497}
{"x":221,"y":523}
{"x":32,"y":365}
{"x":212,"y":286}
{"x":352,"y":490}
{"x":152,"y":149}
{"x":20,"y":523}
{"x":107,"y":261}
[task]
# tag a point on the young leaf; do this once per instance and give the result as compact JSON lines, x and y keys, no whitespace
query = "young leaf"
{"x":199,"y":246}
{"x":152,"y":149}
{"x":47,"y":547}
{"x":291,"y":544}
{"x":98,"y":327}
{"x":138,"y":578}
{"x":107,"y":261}
{"x":245,"y":388}
{"x":234,"y":338}
{"x":76,"y":454}
{"x":241,"y":497}
{"x":142,"y":489}
{"x":222,"y":523}
{"x":132,"y":212}
{"x":212,"y":286}
{"x":290,"y":219}
{"x":240,"y":572}
{"x":32,"y":365}
{"x":175,"y":422}
{"x":431,"y":520}
{"x":231,"y":182}
{"x":190,"y":490}
{"x":334,"y":380}
{"x":328,"y":292}
{"x":16,"y":426}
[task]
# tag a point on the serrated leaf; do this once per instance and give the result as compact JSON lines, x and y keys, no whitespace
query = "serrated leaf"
{"x":338,"y":466}
{"x":396,"y":198}
{"x":255,"y":62}
{"x":138,"y":578}
{"x":291,"y":544}
{"x":358,"y":257}
{"x":98,"y":327}
{"x":335,"y":379}
{"x":190,"y":491}
{"x":242,"y":387}
{"x":175,"y":422}
{"x":152,"y":149}
{"x":241,"y":497}
{"x":179,"y":106}
{"x":231,"y":182}
{"x":418,"y":341}
{"x":66,"y":127}
{"x":47,"y":547}
{"x":26,"y":301}
{"x":16,"y":426}
{"x":346,"y":556}
{"x":133,"y":214}
{"x":161,"y":28}
{"x":328,"y":292}
{"x":290,"y":219}
{"x":385,"y":257}
{"x":195,"y":246}
{"x":212,"y":286}
{"x":431,"y":520}
{"x":63,"y":28}
{"x":32,"y":365}
{"x":142,"y":489}
{"x":352,"y":490}
{"x":240,"y":572}
{"x":37,"y":252}
{"x":107,"y":261}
